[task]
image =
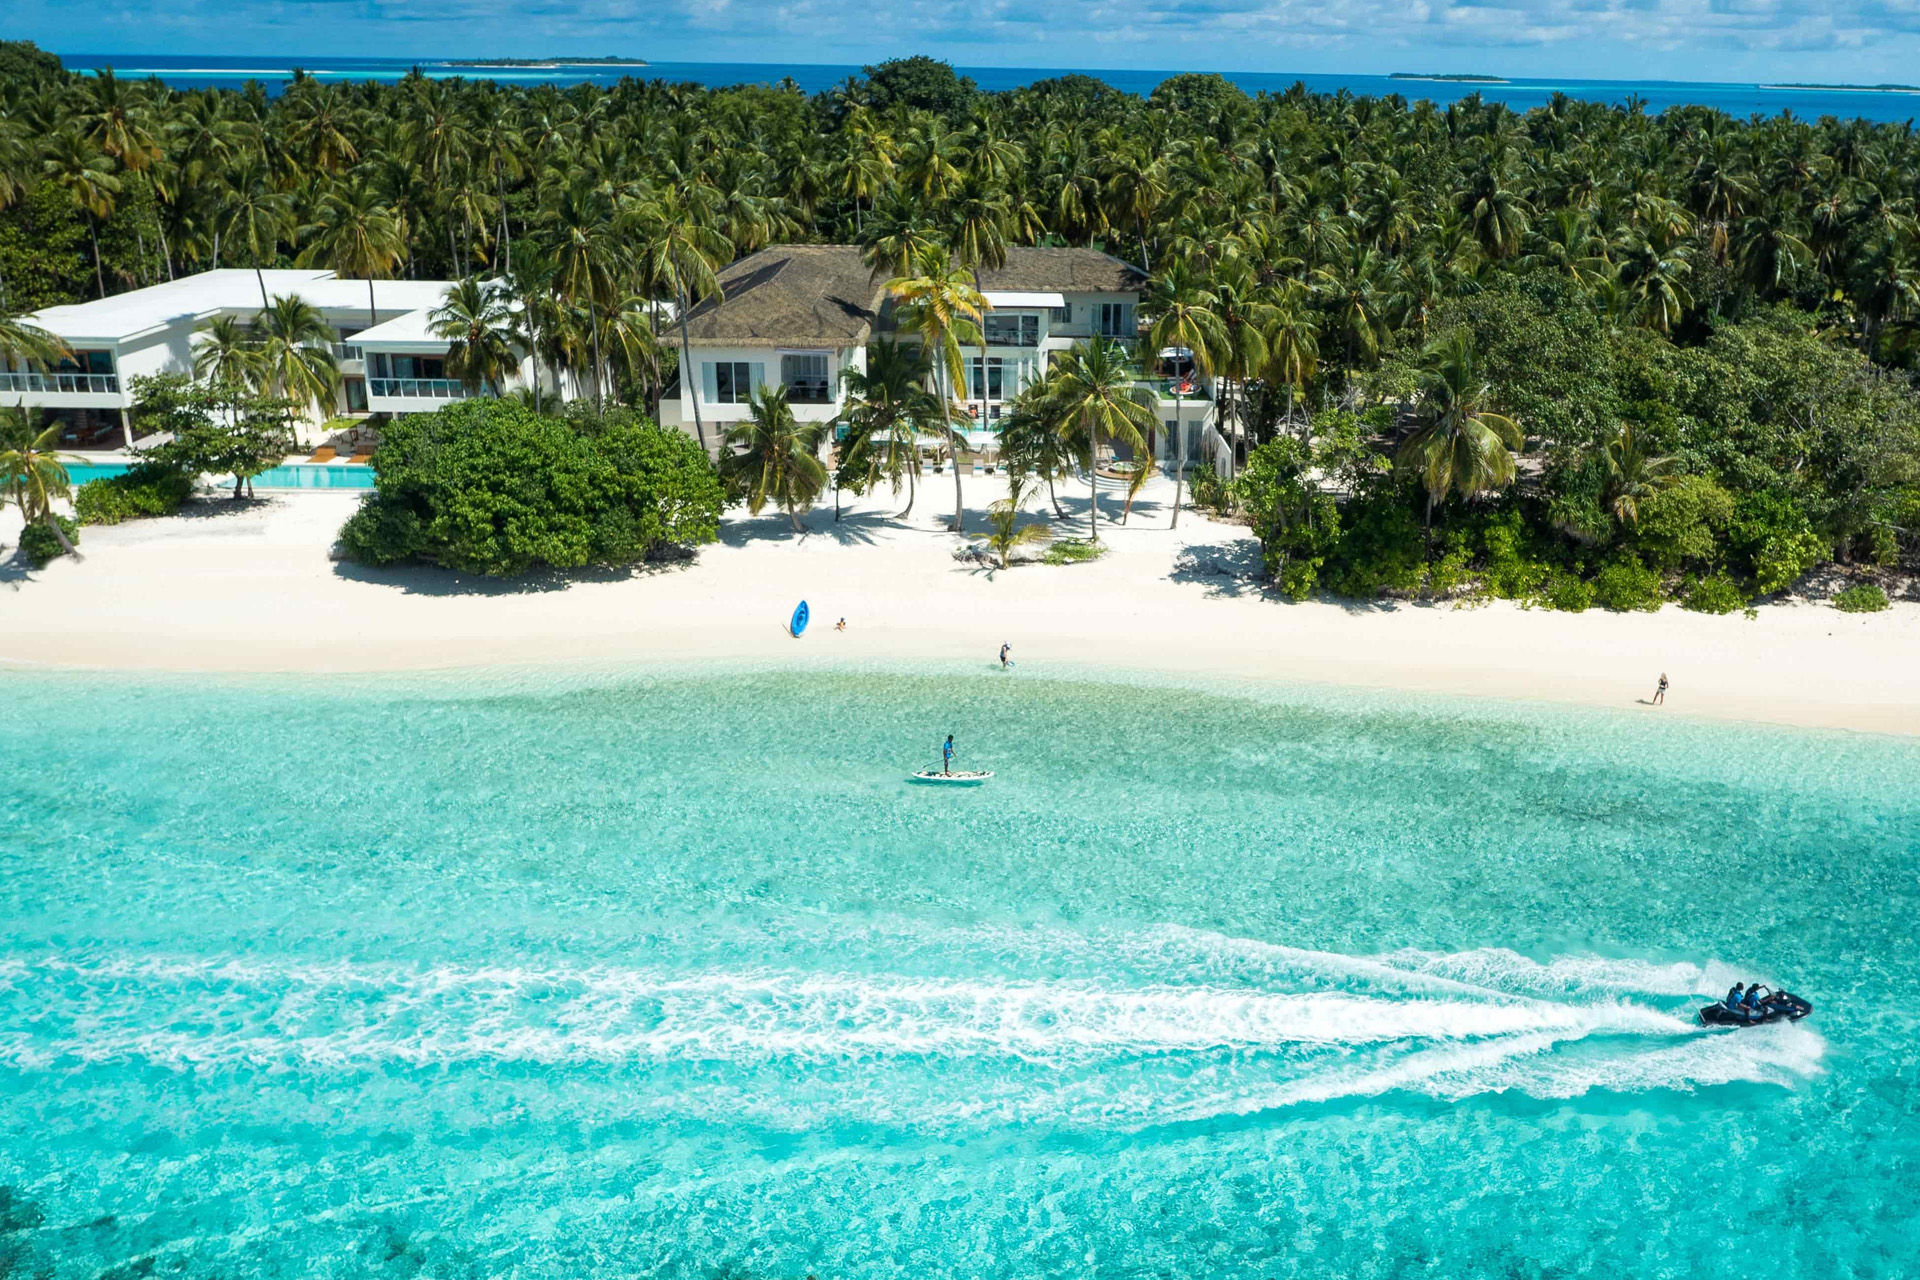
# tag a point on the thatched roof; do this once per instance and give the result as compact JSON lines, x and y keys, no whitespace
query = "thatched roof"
{"x":791,"y":295}
{"x":823,"y":295}
{"x":1063,"y":271}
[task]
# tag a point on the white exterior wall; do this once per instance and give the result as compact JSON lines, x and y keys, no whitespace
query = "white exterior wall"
{"x":694,"y":381}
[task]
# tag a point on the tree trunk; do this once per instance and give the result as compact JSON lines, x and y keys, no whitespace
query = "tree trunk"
{"x":1179,"y":448}
{"x":373,"y":317}
{"x":261,"y":277}
{"x":506,"y":233}
{"x":1093,"y":485}
{"x":690,"y":390}
{"x":99,"y":276}
{"x":1141,"y":223}
{"x":953,"y":450}
{"x":913,"y":469}
{"x":53,"y":523}
{"x":593,"y":323}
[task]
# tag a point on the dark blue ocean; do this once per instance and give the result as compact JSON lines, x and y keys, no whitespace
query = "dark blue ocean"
{"x":196,"y":71}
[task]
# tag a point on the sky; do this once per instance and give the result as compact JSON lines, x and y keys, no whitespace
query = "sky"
{"x":1841,"y":41}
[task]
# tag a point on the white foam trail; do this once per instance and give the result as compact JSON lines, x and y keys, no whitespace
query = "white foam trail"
{"x":1232,"y":1026}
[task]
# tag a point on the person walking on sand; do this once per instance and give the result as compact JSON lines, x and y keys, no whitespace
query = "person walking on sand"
{"x":946,"y":756}
{"x":1005,"y":661}
{"x":840,"y":625}
{"x":1660,"y":691}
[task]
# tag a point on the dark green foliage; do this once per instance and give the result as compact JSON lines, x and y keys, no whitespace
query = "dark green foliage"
{"x":43,"y":252}
{"x":25,"y":61}
{"x":1298,"y":525}
{"x":40,"y":544}
{"x":1715,"y":594}
{"x":1862,"y":597}
{"x":487,"y":486}
{"x":150,"y":490}
{"x":1624,"y":584}
{"x":1381,"y":547}
{"x":919,"y":83}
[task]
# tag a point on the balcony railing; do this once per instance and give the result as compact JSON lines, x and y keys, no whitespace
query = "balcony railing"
{"x":804,"y":391}
{"x":71,"y":384}
{"x":346,"y":351}
{"x":419,"y":388}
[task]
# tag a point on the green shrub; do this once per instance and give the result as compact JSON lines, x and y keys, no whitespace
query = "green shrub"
{"x":489,"y":486}
{"x":1566,"y":592}
{"x":1206,"y":490}
{"x":383,"y":531}
{"x":1381,"y":547}
{"x":1624,"y":584}
{"x":1714,"y":594}
{"x":1861,"y":597}
{"x":1074,"y":551}
{"x":40,"y":545}
{"x":149,"y":490}
{"x":1450,"y":575}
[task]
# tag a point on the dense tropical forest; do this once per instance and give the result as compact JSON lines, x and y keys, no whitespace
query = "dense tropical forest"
{"x":1578,"y":355}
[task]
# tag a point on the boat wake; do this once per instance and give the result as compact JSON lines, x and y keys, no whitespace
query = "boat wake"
{"x":1159,"y":1026}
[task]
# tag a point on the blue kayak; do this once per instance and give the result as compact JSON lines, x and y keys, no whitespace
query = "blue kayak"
{"x":799,"y":623}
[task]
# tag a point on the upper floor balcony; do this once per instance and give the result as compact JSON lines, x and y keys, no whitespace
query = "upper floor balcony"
{"x":65,"y":384}
{"x":420,"y":389}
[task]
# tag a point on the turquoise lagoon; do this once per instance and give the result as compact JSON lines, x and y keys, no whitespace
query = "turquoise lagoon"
{"x":608,"y":975}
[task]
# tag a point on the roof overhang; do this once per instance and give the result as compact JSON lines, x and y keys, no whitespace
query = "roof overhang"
{"x":1003,"y":298}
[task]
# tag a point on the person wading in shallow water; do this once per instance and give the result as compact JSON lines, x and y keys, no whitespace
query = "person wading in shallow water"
{"x":1660,"y":691}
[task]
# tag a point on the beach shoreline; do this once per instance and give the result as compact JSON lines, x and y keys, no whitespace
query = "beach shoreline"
{"x":250,"y":589}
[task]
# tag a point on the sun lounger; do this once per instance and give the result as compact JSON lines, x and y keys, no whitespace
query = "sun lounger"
{"x":325,"y":453}
{"x":361,"y":458}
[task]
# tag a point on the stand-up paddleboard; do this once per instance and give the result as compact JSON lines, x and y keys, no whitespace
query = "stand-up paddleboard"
{"x":956,"y":779}
{"x":799,"y":622}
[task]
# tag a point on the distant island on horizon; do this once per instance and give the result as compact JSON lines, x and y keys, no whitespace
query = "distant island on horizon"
{"x":1419,"y":75}
{"x":545,"y":62}
{"x":1850,"y":88}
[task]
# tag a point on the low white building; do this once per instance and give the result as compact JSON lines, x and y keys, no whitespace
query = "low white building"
{"x":389,"y":360}
{"x":799,"y":314}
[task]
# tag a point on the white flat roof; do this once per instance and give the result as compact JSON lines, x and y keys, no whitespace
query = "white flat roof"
{"x":410,"y":329}
{"x":208,"y":293}
{"x":1004,"y":298}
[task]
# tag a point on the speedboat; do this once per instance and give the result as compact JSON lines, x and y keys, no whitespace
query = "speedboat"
{"x":1775,"y":1006}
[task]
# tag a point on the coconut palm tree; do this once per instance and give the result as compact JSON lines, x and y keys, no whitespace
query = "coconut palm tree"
{"x":1633,"y":475}
{"x":1459,"y":445}
{"x":85,"y":175}
{"x":888,"y":410}
{"x":1097,"y":398}
{"x":33,"y":473}
{"x":586,"y":251}
{"x":1179,"y":311}
{"x":28,"y":343}
{"x":1031,"y":442}
{"x":1005,"y":534}
{"x":296,"y":353}
{"x":479,"y":327}
{"x":774,"y":458}
{"x":356,"y":234}
{"x":943,"y":307}
{"x":255,"y":217}
{"x":227,"y":358}
{"x":683,"y":241}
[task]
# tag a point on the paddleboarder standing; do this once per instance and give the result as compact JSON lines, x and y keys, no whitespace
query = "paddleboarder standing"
{"x":946,"y":756}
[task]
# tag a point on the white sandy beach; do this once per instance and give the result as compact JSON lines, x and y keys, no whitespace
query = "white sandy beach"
{"x":251,"y":588}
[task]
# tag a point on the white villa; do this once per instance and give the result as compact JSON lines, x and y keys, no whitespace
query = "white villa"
{"x":799,"y":314}
{"x":389,"y":360}
{"x":792,"y":314}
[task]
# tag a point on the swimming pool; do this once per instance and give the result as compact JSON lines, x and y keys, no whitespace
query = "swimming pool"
{"x":292,"y":475}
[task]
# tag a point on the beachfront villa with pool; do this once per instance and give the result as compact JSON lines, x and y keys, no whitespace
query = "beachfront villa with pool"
{"x":791,"y":315}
